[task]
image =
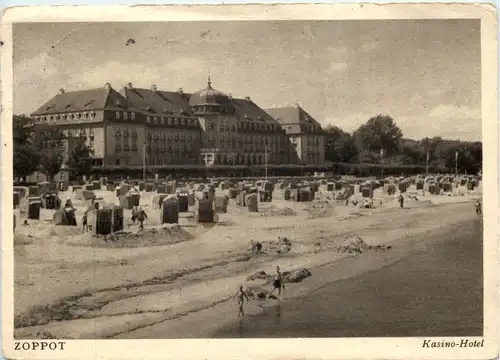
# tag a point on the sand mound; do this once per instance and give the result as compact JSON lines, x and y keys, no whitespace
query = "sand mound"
{"x":166,"y":235}
{"x":281,"y":246}
{"x":292,"y":276}
{"x":296,"y":275}
{"x":355,"y":244}
{"x":320,"y":208}
{"x":22,"y":239}
{"x":276,"y":211}
{"x":259,"y":275}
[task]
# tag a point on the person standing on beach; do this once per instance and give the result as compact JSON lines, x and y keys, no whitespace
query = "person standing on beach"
{"x":401,"y":200}
{"x":85,"y":225}
{"x":277,"y":282}
{"x":241,"y":295}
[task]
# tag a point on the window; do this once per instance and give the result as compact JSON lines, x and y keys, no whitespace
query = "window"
{"x":155,"y":120}
{"x":148,"y":119}
{"x":117,"y":162}
{"x":125,"y":133}
{"x":163,"y":120}
{"x":117,"y":115}
{"x":125,"y":116}
{"x":132,"y":115}
{"x":169,"y":121}
{"x":176,"y":121}
{"x":118,"y":147}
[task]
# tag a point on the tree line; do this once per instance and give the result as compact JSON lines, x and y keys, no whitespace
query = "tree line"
{"x":380,"y":142}
{"x":374,"y":146}
{"x":41,"y":148}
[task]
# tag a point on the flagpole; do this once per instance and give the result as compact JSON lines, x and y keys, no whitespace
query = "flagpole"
{"x":265,"y":148}
{"x":427,"y":164}
{"x":456,"y":163}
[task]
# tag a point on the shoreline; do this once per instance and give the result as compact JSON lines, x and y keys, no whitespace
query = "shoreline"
{"x":196,"y":293}
{"x":209,"y":322}
{"x":421,"y":313}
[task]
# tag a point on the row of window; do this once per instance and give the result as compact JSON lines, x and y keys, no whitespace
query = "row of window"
{"x":90,"y":115}
{"x":79,"y":133}
{"x":170,"y":121}
{"x":125,"y":115}
{"x":212,"y":109}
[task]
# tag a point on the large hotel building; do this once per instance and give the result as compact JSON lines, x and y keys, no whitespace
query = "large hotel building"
{"x":133,"y":125}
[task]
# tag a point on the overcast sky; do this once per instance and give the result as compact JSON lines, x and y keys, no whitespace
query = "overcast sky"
{"x":425,"y":74}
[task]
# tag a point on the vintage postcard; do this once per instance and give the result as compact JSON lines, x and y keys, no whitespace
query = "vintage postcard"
{"x":250,"y":181}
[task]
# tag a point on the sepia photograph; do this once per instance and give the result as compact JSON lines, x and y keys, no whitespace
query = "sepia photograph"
{"x":267,"y":178}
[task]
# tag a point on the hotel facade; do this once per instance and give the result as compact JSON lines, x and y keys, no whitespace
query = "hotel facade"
{"x":135,"y":126}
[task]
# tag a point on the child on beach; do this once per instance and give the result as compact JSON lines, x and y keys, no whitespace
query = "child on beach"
{"x":277,"y":282}
{"x":241,"y":295}
{"x":85,"y":225}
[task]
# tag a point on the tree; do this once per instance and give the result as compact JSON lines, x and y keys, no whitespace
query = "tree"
{"x":25,"y":157}
{"x":380,"y":133}
{"x":79,"y":161}
{"x":338,"y":145}
{"x":49,"y":142}
{"x":411,"y":152}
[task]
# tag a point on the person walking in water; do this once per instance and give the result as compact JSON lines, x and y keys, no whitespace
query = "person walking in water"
{"x":241,"y":295}
{"x":277,"y":282}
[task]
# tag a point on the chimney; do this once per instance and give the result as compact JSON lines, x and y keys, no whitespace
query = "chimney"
{"x":153,"y":88}
{"x":248,"y":98}
{"x":61,"y":91}
{"x":107,"y":86}
{"x":129,"y":85}
{"x":180,"y":91}
{"x":230,"y":96}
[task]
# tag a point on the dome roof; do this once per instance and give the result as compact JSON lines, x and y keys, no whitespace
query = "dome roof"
{"x":209,"y":96}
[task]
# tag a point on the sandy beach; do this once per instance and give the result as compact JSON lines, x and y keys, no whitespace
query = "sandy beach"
{"x":67,"y":287}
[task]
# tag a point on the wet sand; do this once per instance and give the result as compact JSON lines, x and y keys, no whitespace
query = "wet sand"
{"x":435,"y":290}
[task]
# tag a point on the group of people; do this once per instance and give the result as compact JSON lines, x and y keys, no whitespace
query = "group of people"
{"x":138,"y":214}
{"x":241,"y":295}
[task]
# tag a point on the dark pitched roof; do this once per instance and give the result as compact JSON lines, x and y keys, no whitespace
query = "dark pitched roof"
{"x":247,"y":110}
{"x":294,"y":119}
{"x":158,"y":102}
{"x":84,"y":100}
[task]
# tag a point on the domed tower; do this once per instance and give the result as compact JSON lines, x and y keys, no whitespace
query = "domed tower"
{"x":216,"y":115}
{"x":210,"y":101}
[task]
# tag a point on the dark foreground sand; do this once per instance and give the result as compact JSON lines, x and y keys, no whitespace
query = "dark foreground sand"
{"x":435,"y":291}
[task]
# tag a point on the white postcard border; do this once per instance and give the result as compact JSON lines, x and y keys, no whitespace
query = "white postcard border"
{"x":335,"y":348}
